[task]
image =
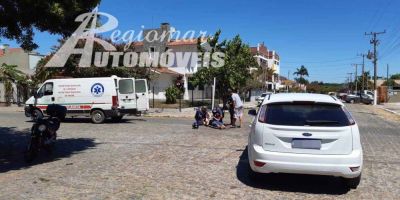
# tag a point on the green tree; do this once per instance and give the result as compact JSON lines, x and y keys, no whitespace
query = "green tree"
{"x":301,"y":80}
{"x":20,"y":17}
{"x":302,"y":71}
{"x":367,"y":83}
{"x":9,"y":74}
{"x":395,"y":76}
{"x":235,"y":72}
{"x":389,"y":82}
{"x":171,"y":94}
{"x":263,"y":74}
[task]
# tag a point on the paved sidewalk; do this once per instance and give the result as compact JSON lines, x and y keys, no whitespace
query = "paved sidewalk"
{"x":391,"y":107}
{"x":185,"y":112}
{"x":12,"y":108}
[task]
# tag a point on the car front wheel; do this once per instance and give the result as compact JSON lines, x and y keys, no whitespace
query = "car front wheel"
{"x":353,"y":183}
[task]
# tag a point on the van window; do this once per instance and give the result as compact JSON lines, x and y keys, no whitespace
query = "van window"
{"x":46,"y":90}
{"x":126,"y":86}
{"x":140,"y":86}
{"x":305,"y":114}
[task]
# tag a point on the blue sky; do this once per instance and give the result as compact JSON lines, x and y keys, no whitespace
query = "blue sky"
{"x":323,"y":35}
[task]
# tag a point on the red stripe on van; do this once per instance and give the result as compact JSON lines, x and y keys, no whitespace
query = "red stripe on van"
{"x":86,"y":107}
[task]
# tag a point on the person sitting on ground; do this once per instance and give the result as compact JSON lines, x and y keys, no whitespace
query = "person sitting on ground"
{"x":219,"y":111}
{"x":202,"y":117}
{"x":216,"y":121}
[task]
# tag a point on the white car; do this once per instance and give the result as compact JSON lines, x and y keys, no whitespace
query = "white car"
{"x":305,"y":134}
{"x":261,"y":98}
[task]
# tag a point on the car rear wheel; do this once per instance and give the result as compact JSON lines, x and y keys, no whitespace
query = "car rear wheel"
{"x":353,"y":183}
{"x":98,"y":116}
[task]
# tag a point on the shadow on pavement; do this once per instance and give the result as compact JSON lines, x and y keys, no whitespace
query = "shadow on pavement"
{"x":290,"y":182}
{"x":13,"y":144}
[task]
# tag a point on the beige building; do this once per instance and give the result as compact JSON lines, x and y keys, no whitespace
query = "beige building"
{"x":25,"y":62}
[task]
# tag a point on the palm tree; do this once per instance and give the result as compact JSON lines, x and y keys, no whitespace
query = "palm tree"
{"x":263,"y":74}
{"x":8,"y":75}
{"x":302,"y":71}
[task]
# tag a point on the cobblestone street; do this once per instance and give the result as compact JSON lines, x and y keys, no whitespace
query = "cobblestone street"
{"x":164,"y":158}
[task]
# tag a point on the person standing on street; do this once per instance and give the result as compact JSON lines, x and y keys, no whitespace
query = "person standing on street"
{"x":231,"y":108}
{"x":238,"y":109}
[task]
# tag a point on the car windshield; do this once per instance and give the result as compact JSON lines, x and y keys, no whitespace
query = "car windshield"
{"x":305,"y":114}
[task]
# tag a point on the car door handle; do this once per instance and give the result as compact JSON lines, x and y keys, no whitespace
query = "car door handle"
{"x":53,"y":99}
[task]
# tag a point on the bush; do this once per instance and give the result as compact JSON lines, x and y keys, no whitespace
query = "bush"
{"x":171,"y":94}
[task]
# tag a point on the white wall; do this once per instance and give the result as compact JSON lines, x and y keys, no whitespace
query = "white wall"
{"x":160,"y":83}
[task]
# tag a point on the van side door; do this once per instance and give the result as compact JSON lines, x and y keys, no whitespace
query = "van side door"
{"x":126,"y":93}
{"x":142,"y":95}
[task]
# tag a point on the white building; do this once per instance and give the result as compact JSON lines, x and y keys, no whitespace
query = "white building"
{"x":271,"y":60}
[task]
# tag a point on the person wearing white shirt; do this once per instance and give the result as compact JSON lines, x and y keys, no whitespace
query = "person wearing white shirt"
{"x":238,"y":106}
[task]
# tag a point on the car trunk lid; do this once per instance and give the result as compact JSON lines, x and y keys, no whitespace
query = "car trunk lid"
{"x":307,"y":127}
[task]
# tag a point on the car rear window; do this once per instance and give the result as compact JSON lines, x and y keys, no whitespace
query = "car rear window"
{"x":304,"y":114}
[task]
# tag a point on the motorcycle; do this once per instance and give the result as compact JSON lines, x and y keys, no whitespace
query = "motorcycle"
{"x":44,"y":131}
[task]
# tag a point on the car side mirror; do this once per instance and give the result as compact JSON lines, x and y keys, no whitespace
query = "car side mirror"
{"x":252,"y":112}
{"x":35,"y":95}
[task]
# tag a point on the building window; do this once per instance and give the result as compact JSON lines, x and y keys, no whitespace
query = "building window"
{"x":151,"y":52}
{"x":166,"y":56}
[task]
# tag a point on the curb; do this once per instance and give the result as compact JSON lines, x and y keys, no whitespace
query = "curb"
{"x":391,"y":111}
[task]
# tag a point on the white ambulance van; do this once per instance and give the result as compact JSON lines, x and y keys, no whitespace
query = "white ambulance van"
{"x":99,"y":98}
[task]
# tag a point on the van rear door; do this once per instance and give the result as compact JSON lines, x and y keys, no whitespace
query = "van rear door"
{"x":142,"y":95}
{"x":126,"y":93}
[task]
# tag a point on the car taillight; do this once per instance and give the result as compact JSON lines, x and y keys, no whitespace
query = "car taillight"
{"x":259,"y":164}
{"x":115,"y":101}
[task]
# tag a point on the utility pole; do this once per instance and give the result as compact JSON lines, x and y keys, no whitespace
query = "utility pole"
{"x":287,"y":89}
{"x":362,"y":72}
{"x":355,"y":80}
{"x":387,"y":76}
{"x":374,"y":41}
{"x":350,"y":81}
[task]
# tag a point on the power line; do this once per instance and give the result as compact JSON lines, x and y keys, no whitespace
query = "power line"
{"x":319,"y":62}
{"x":379,"y":14}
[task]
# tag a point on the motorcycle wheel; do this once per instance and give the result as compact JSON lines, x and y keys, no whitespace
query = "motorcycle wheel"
{"x":32,"y":149}
{"x":50,"y":147}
